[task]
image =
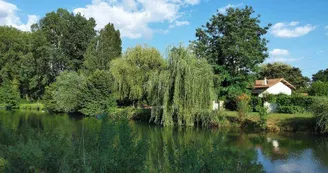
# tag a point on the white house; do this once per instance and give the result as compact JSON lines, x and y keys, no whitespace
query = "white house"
{"x":272,"y":86}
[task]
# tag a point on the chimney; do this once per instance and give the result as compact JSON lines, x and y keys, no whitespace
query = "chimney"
{"x":265,"y":81}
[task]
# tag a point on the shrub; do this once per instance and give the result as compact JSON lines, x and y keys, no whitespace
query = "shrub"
{"x":319,"y":89}
{"x":290,"y":109}
{"x":9,"y":94}
{"x":296,"y":100}
{"x":243,"y":106}
{"x":255,"y":102}
{"x":96,"y":95}
{"x":63,"y":95}
{"x":320,"y":111}
{"x":263,"y":112}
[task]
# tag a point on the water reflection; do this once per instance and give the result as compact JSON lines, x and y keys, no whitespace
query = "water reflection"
{"x":139,"y":147}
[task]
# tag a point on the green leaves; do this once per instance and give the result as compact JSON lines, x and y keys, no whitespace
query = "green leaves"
{"x":181,"y":90}
{"x":131,"y":72}
{"x":234,"y":45}
{"x":64,"y":94}
{"x":96,"y":95}
{"x":280,"y":70}
{"x":103,"y":49}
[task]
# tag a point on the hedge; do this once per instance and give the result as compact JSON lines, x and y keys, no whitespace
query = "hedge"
{"x":290,"y":109}
{"x":301,"y":101}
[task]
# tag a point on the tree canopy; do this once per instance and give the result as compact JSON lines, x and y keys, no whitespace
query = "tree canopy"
{"x":69,"y":35}
{"x":321,"y":75}
{"x":131,"y":72}
{"x":233,"y":44}
{"x":182,"y":89}
{"x":103,"y":49}
{"x":280,"y":70}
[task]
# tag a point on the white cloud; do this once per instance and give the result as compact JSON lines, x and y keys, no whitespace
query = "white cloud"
{"x":9,"y":17}
{"x":223,"y":10}
{"x":281,"y":55}
{"x":289,"y":30}
{"x":179,"y":23}
{"x":278,"y":52}
{"x":133,"y":17}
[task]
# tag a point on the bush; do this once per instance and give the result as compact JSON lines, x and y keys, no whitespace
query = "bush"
{"x":63,"y":95}
{"x":243,"y":106}
{"x":320,"y":111}
{"x":9,"y":94}
{"x":300,"y":101}
{"x":255,"y":102}
{"x":319,"y":89}
{"x":290,"y":109}
{"x":96,"y":95}
{"x":263,"y":112}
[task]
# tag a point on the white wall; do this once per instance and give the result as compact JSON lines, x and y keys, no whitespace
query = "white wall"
{"x":278,"y":88}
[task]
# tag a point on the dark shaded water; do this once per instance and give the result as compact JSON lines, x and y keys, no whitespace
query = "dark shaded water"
{"x":172,"y":149}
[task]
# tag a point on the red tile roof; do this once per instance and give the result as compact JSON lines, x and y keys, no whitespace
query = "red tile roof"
{"x":260,"y":84}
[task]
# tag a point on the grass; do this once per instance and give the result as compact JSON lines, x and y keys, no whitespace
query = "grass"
{"x":302,"y":122}
{"x":31,"y":106}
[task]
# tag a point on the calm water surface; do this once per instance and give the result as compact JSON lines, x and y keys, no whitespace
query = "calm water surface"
{"x":189,"y":149}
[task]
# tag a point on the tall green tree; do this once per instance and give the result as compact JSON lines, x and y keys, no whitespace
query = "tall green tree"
{"x":281,"y":70}
{"x":131,"y":72}
{"x":103,"y":49}
{"x":35,"y":68}
{"x":182,"y":90}
{"x":13,"y":46}
{"x":96,"y":94}
{"x":233,"y":44}
{"x":321,"y":75}
{"x":69,"y":36}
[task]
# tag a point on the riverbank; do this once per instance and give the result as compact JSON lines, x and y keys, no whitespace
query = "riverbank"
{"x":24,"y":106}
{"x":276,"y":122}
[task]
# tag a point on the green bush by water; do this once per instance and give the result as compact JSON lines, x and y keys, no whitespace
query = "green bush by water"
{"x":320,"y":111}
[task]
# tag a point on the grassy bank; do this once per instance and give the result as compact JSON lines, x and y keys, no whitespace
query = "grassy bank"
{"x":24,"y":106}
{"x":278,"y":122}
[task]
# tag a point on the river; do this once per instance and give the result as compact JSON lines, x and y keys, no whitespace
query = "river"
{"x":117,"y":146}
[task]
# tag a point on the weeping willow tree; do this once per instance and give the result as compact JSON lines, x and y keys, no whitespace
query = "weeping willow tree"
{"x":180,"y":92}
{"x":131,"y":72}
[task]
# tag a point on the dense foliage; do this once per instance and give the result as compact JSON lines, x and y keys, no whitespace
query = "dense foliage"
{"x":69,"y":35}
{"x":321,"y":75}
{"x":184,"y":88}
{"x":233,"y":44}
{"x":304,"y":102}
{"x":243,"y":107}
{"x":102,"y":49}
{"x":320,"y":111}
{"x":319,"y":89}
{"x":64,"y":94}
{"x":132,"y":72}
{"x":280,"y":70}
{"x":96,"y":94}
{"x":9,"y":94}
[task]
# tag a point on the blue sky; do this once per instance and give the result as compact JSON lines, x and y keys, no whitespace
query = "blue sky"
{"x":299,"y":34}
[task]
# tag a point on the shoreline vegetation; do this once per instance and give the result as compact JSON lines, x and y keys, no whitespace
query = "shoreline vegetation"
{"x":72,"y":68}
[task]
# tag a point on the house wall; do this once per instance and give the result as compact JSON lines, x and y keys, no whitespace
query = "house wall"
{"x":279,"y":88}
